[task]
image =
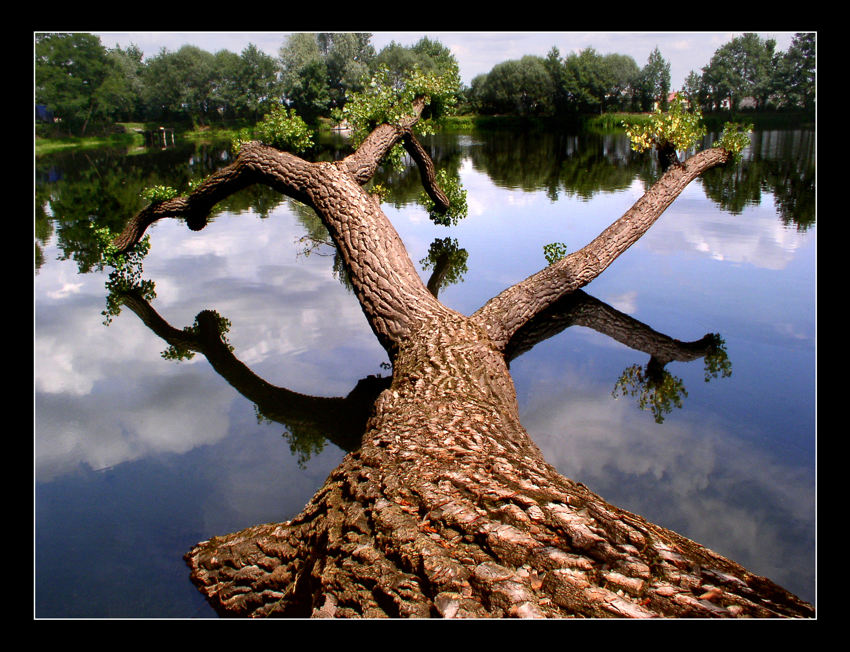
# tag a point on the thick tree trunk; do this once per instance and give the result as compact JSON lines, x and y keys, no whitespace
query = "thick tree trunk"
{"x":448,"y":507}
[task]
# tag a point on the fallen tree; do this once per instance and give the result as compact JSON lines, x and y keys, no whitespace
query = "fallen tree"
{"x":447,"y":507}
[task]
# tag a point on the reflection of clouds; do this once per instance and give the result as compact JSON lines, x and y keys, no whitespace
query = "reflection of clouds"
{"x":104,"y":395}
{"x":625,"y":302}
{"x":279,"y":303}
{"x":73,"y":349}
{"x":120,"y":422}
{"x":755,"y":237}
{"x":474,"y":183}
{"x":100,"y":393}
{"x":696,"y":477}
{"x":793,"y":331}
{"x":66,"y":290}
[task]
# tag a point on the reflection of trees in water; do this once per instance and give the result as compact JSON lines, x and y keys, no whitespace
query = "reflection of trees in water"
{"x":79,"y":188}
{"x":309,"y":421}
{"x":779,"y":162}
{"x":578,"y":164}
{"x":656,"y":388}
{"x":405,"y":186}
{"x":448,"y":262}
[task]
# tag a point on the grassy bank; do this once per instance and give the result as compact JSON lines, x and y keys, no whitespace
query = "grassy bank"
{"x":48,"y":145}
{"x":130,"y":135}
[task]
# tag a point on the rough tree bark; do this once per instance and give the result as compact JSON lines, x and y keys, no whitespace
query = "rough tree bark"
{"x":447,"y":507}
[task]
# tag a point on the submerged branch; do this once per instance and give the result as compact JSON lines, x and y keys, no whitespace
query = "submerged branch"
{"x":426,"y":171}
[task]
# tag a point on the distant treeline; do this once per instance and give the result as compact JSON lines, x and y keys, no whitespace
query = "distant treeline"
{"x":84,"y":86}
{"x":746,"y":73}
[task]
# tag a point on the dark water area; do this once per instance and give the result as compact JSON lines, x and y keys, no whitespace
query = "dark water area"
{"x":146,"y":443}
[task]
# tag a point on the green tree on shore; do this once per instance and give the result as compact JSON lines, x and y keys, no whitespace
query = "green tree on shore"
{"x":795,"y":74}
{"x":69,"y":71}
{"x":654,"y":83}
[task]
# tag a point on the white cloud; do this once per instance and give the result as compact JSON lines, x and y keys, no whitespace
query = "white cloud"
{"x":111,"y":425}
{"x":754,"y":237}
{"x":626,"y":302}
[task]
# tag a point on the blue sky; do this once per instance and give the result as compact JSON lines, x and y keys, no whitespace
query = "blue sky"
{"x":478,"y":52}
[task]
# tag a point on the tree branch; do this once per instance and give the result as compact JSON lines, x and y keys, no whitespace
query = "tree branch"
{"x":506,"y":313}
{"x":256,"y":163}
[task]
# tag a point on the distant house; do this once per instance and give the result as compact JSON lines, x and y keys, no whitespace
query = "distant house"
{"x":43,"y":114}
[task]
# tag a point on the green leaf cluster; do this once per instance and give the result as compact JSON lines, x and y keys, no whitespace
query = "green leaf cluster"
{"x":126,"y":274}
{"x":716,"y":361}
{"x":446,"y":253}
{"x":281,"y":128}
{"x":658,"y":391}
{"x":678,"y":128}
{"x":156,"y":194}
{"x":735,"y":138}
{"x":386,"y":100}
{"x":554,"y":251}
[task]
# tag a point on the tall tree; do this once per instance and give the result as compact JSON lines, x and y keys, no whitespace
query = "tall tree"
{"x":227,"y":91}
{"x":587,"y":80}
{"x":795,"y":73}
{"x":304,"y":76}
{"x":348,"y":57}
{"x":448,"y":507}
{"x":69,"y":71}
{"x":120,"y":94}
{"x":742,"y":68}
{"x":622,"y":74}
{"x":691,"y":89}
{"x":519,"y":87}
{"x":257,"y":80}
{"x":181,"y":85}
{"x":655,"y":81}
{"x":427,"y":55}
{"x":558,"y":75}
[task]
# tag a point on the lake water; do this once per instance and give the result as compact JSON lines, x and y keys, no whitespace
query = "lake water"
{"x":139,"y":455}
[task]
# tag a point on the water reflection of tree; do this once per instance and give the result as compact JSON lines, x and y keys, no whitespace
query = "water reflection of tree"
{"x":78,"y":189}
{"x":579,"y":164}
{"x":311,"y":421}
{"x":779,"y":162}
{"x":448,"y":262}
{"x":656,"y":388}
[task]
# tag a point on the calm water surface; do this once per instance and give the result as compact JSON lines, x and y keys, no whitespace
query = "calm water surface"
{"x":144,"y":448}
